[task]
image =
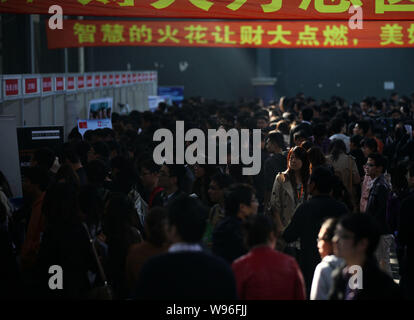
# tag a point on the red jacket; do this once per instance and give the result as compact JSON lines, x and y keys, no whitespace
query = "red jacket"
{"x":267,"y":274}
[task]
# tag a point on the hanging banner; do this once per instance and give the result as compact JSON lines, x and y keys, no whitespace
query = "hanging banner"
{"x":222,"y":9}
{"x":31,"y":86}
{"x":12,"y":86}
{"x":249,"y":34}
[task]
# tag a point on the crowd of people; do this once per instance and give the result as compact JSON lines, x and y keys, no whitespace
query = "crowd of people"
{"x":335,"y":191}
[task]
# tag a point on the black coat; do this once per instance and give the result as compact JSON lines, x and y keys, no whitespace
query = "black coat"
{"x":186,"y":276}
{"x":305,"y":225}
{"x":228,"y":241}
{"x":377,"y":285}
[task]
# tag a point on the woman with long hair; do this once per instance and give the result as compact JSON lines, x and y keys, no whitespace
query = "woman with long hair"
{"x":289,"y":190}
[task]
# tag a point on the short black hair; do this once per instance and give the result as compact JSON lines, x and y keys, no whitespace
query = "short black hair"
{"x":322,"y":177}
{"x":102,"y":149}
{"x":276,"y":137}
{"x":70,"y":154}
{"x":150,"y":165}
{"x":96,"y":171}
{"x":223,"y":180}
{"x":330,"y":225}
{"x":370,"y":143}
{"x":380,"y":160}
{"x":154,"y":226}
{"x":363,"y":226}
{"x":236,"y":195}
{"x":189,"y":216}
{"x":258,"y":229}
{"x":364,"y":125}
{"x":179,"y":171}
{"x":356,"y":140}
{"x":336,"y":125}
{"x":38,"y":176}
{"x":307,"y":114}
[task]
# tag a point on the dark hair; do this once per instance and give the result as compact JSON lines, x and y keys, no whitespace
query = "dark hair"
{"x":223,"y":180}
{"x":363,"y":226}
{"x":277,"y":138}
{"x":102,"y":149}
{"x":306,"y":145}
{"x":341,"y":193}
{"x":336,"y":125}
{"x":70,"y":154}
{"x":189,"y":216}
{"x":316,"y":157}
{"x":300,"y":153}
{"x":91,"y":204}
{"x":258,"y":229}
{"x":307,"y":114}
{"x":179,"y":171}
{"x":61,"y":205}
{"x":44,"y":157}
{"x":330,"y":225}
{"x":4,"y":184}
{"x":38,"y":176}
{"x":154,"y":226}
{"x":380,"y":160}
{"x":370,"y":143}
{"x":398,"y":178}
{"x":282,"y":126}
{"x":356,"y":140}
{"x":364,"y":125}
{"x":337,"y":147}
{"x":150,"y":165}
{"x":322,"y":178}
{"x":119,"y":213}
{"x":236,"y":195}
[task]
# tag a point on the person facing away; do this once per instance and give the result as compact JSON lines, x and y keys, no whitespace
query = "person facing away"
{"x":185,"y":272}
{"x":308,"y":217}
{"x":356,"y":239}
{"x":322,"y":278}
{"x":264,"y":273}
{"x":240,"y":203}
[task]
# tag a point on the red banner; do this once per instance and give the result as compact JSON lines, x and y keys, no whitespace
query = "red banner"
{"x":47,"y":85}
{"x":221,"y":9}
{"x":31,"y":86}
{"x":59,"y":83}
{"x":11,"y":88}
{"x":249,"y":34}
{"x":70,"y":83}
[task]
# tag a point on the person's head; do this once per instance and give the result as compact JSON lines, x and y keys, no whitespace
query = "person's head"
{"x":399,"y":179}
{"x":66,"y":174}
{"x":320,"y":181}
{"x":369,"y":145}
{"x":325,"y":236}
{"x":306,"y":114}
{"x":356,"y":237}
{"x":262,"y":122}
{"x":99,"y":150}
{"x":43,"y":157}
{"x":355,"y":142}
{"x":306,"y":145}
{"x":36,"y":181}
{"x":218,"y":184}
{"x":361,"y":128}
{"x":156,"y":226}
{"x":171,"y":176}
{"x":260,"y":230}
{"x":70,"y":156}
{"x":299,"y":137}
{"x":149,"y":173}
{"x":275,"y":142}
{"x":186,"y":220}
{"x":316,"y":157}
{"x":336,"y":148}
{"x":283,"y":127}
{"x":61,"y":205}
{"x":338,"y":125}
{"x":240,"y":201}
{"x":96,"y":172}
{"x":376,"y":165}
{"x":298,"y":161}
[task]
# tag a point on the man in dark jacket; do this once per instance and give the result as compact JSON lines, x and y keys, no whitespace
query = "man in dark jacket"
{"x":186,"y":272}
{"x":240,"y":203}
{"x":356,"y":239}
{"x":308,"y":218}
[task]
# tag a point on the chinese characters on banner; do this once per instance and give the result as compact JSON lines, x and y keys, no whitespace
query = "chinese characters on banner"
{"x":231,"y":9}
{"x":293,"y":34}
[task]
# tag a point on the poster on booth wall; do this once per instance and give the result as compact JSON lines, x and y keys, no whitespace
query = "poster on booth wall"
{"x":100,"y":109}
{"x":172,"y":93}
{"x":153,"y":102}
{"x":92,"y":124}
{"x":32,"y":138}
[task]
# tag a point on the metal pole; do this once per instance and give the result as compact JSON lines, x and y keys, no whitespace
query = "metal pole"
{"x":54,"y":109}
{"x":81,"y":54}
{"x":22,"y":112}
{"x":32,"y":46}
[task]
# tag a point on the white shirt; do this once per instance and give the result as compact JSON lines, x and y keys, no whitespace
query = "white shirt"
{"x":322,"y":278}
